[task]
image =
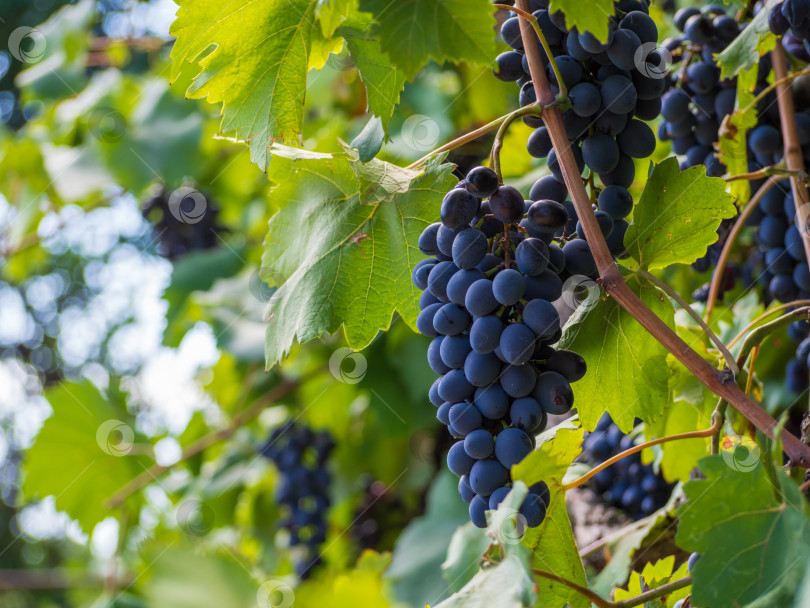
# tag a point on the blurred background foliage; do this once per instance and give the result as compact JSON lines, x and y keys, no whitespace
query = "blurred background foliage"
{"x":111,"y":308}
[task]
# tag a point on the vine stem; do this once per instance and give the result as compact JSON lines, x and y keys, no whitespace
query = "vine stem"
{"x":720,"y":268}
{"x":528,"y":16}
{"x":793,"y":149}
{"x":714,"y":429}
{"x":279,"y":391}
{"x":756,"y":337}
{"x":495,"y":154}
{"x":612,"y":280}
{"x":596,"y":599}
{"x":732,"y":364}
{"x":767,"y":172}
{"x":601,"y":602}
{"x":719,"y":419}
{"x":764,"y":316}
{"x":781,"y":79}
{"x":460,"y":141}
{"x":750,"y":380}
{"x":750,"y":345}
{"x":654,"y":593}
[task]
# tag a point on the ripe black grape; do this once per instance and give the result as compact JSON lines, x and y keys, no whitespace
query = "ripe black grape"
{"x":629,"y":485}
{"x":301,"y":456}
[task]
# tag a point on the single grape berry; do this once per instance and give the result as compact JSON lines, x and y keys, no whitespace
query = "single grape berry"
{"x":459,"y":208}
{"x":507,"y":205}
{"x":482,"y":182}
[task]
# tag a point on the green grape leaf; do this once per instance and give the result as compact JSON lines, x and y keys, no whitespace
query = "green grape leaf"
{"x":253,"y":58}
{"x":82,"y":455}
{"x":677,"y":217}
{"x":463,"y":554}
{"x":369,"y":141}
{"x":416,"y":568}
{"x":506,"y":585}
{"x":553,"y":546}
{"x":415,"y":31}
{"x":653,"y":576}
{"x":343,"y":245}
{"x":733,"y":141}
{"x":627,"y":367}
{"x":592,"y":16}
{"x":752,"y":532}
{"x":681,"y":457}
{"x":362,"y":585}
{"x":746,"y":49}
{"x":331,"y":13}
{"x":382,"y":80}
{"x":181,"y":577}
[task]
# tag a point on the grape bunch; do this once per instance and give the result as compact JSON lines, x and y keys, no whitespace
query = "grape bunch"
{"x":791,"y":19}
{"x":694,"y":108}
{"x":613,"y":87}
{"x":629,"y":485}
{"x":301,"y":455}
{"x":177,"y":237}
{"x":487,"y":303}
{"x":785,"y":275}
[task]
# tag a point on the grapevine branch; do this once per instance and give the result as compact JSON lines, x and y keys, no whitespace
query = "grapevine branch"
{"x":751,"y":345}
{"x":714,"y":429}
{"x":530,"y":18}
{"x":762,"y":317}
{"x":495,"y":154}
{"x":780,"y":81}
{"x":601,"y":602}
{"x":720,"y":269}
{"x":612,"y":280}
{"x":460,"y":141}
{"x":732,"y":364}
{"x":767,"y":172}
{"x":793,"y":149}
{"x":281,"y":390}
